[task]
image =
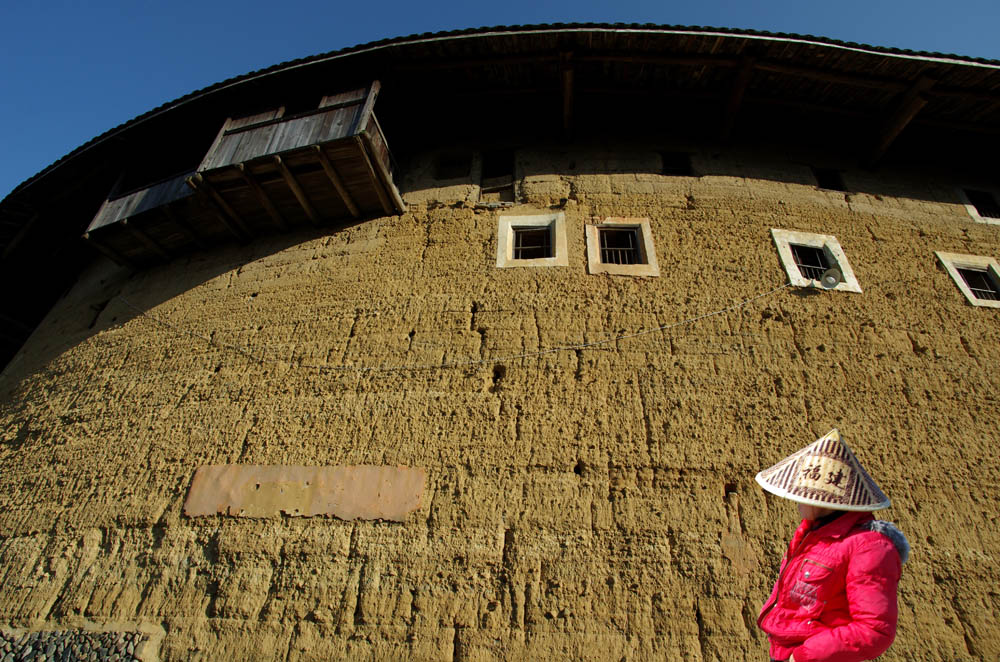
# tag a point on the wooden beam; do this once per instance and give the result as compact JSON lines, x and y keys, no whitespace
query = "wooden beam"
{"x":18,"y":325}
{"x":20,"y":235}
{"x":184,"y":227}
{"x":736,"y":93}
{"x":372,"y":177}
{"x":111,"y":253}
{"x":400,"y":205}
{"x":423,"y":65}
{"x":262,"y":196}
{"x":226,"y":214}
{"x":300,"y":195}
{"x":664,"y":60}
{"x":11,"y":339}
{"x":855,"y":80}
{"x":361,"y":118}
{"x":336,"y":181}
{"x":909,"y":105}
{"x":144,"y":237}
{"x":566,"y":60}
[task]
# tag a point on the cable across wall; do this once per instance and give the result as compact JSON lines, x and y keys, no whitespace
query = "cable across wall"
{"x":258,"y":358}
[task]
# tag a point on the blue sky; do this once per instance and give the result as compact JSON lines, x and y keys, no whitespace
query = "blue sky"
{"x":72,"y":70}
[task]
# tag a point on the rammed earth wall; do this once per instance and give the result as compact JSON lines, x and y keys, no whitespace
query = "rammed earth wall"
{"x":590,"y":504}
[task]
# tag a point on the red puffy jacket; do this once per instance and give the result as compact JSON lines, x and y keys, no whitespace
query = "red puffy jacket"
{"x":835,"y":598}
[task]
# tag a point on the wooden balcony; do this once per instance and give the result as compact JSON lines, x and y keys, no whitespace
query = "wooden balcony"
{"x":263,"y":174}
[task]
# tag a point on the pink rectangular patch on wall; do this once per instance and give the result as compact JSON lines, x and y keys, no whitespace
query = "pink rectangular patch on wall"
{"x":346,"y":492}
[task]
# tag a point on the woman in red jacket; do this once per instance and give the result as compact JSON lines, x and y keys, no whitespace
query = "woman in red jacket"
{"x":835,"y":597}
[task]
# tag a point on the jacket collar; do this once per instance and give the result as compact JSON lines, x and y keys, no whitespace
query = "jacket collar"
{"x":842,"y":525}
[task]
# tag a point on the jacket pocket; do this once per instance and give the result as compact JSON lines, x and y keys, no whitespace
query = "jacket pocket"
{"x":812,"y":586}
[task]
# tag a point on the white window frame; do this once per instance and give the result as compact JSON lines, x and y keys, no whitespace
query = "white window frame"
{"x":783,"y":240}
{"x":646,"y":248}
{"x":971,"y":208}
{"x":505,"y":240}
{"x":952,"y":262}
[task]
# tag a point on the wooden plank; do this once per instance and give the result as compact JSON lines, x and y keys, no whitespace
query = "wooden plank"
{"x":300,"y":195}
{"x":227,"y":215}
{"x":262,"y":196}
{"x":150,"y":243}
{"x":111,"y":253}
{"x":338,"y":184}
{"x":361,"y":119}
{"x":341,"y":99}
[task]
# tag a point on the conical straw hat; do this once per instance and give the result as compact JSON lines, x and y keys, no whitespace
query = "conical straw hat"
{"x":826,"y":474}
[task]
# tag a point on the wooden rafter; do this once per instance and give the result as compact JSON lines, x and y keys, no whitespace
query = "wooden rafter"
{"x":262,"y":197}
{"x":109,"y":252}
{"x":144,"y":237}
{"x":20,"y":236}
{"x":912,"y":101}
{"x":372,"y":176}
{"x":337,"y":182}
{"x":300,"y":195}
{"x":226,"y":213}
{"x":183,"y":226}
{"x":386,"y":177}
{"x":736,"y":93}
{"x":16,"y":324}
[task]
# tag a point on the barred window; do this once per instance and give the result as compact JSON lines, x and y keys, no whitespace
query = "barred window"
{"x":532,"y":242}
{"x":811,"y":261}
{"x":620,"y":246}
{"x":980,"y":283}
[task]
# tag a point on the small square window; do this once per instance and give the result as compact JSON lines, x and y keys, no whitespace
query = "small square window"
{"x":677,"y":164}
{"x":810,"y":260}
{"x":981,"y":205}
{"x":532,"y":241}
{"x":829,"y":178}
{"x":807,"y":256}
{"x":980,"y":283}
{"x":976,"y":276}
{"x":621,"y":246}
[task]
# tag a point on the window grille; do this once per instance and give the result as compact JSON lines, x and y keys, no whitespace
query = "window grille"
{"x":620,"y":246}
{"x":811,"y":261}
{"x":984,"y":202}
{"x":980,"y":283}
{"x":829,"y":179}
{"x":532,"y":242}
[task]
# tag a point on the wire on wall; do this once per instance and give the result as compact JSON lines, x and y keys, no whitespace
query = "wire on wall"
{"x":261,"y":360}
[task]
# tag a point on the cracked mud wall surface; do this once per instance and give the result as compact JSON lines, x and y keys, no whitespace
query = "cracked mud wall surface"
{"x":595,"y":504}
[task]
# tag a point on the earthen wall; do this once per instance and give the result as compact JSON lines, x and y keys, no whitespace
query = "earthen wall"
{"x":591,"y":503}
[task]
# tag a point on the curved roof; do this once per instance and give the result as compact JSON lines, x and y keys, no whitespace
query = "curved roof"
{"x":725,"y":83}
{"x":559,"y":28}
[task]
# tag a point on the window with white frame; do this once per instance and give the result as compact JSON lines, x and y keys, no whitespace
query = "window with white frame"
{"x":976,"y":276}
{"x":621,"y":246}
{"x":807,"y":257}
{"x":532,"y":241}
{"x":981,"y":204}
